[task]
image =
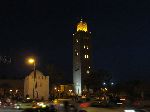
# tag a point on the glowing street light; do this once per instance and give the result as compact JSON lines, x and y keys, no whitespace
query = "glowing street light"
{"x":70,"y":90}
{"x":112,"y":83}
{"x":16,"y":91}
{"x":31,"y":60}
{"x":104,"y":83}
{"x":106,"y":89}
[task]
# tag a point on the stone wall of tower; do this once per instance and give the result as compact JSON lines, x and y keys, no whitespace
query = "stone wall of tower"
{"x":76,"y":65}
{"x":85,"y":57}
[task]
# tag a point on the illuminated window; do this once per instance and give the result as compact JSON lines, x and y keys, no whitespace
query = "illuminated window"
{"x":87,"y":71}
{"x":77,"y":54}
{"x":77,"y":40}
{"x":87,"y":56}
{"x":84,"y":46}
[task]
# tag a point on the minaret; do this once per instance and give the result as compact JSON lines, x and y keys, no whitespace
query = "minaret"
{"x":81,"y":57}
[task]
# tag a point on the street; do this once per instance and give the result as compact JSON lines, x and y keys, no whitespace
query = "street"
{"x":9,"y":110}
{"x":94,"y":109}
{"x":89,"y":109}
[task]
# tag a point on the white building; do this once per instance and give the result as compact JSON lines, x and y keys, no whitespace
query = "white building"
{"x":36,"y":85}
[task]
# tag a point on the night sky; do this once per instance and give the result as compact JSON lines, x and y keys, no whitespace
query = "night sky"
{"x":43,"y":28}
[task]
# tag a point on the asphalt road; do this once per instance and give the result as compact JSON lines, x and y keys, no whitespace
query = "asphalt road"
{"x":10,"y":110}
{"x":94,"y":109}
{"x":89,"y":109}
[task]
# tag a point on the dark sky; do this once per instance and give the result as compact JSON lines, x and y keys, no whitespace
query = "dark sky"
{"x":43,"y":28}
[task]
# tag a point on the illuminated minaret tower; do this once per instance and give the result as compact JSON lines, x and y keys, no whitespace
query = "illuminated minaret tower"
{"x":81,"y":57}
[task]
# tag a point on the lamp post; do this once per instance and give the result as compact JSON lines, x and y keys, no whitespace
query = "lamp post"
{"x":32,"y":61}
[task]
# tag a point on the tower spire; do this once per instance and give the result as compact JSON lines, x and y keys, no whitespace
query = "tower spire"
{"x":82,"y":26}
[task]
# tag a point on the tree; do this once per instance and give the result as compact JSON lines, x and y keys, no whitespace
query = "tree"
{"x":134,"y":89}
{"x":55,"y":77}
{"x":97,"y":78}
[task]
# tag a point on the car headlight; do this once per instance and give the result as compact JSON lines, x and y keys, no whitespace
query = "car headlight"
{"x":17,"y":107}
{"x":129,"y":110}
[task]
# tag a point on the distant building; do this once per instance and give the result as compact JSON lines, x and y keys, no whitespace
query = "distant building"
{"x":11,"y":87}
{"x":62,"y":91}
{"x":81,"y":57}
{"x":66,"y":88}
{"x":36,"y":86}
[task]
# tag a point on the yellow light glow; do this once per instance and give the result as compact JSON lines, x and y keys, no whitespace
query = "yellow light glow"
{"x":122,"y":99}
{"x":43,"y":106}
{"x":31,"y":60}
{"x":87,"y":71}
{"x":77,"y":40}
{"x":103,"y":98}
{"x":55,"y":101}
{"x":70,"y":90}
{"x":82,"y":26}
{"x":28,"y":98}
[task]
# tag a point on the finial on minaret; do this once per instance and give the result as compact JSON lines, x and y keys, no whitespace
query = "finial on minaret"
{"x":82,"y":26}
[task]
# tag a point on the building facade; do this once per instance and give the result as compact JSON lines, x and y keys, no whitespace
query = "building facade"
{"x":36,"y":86}
{"x":81,"y":57}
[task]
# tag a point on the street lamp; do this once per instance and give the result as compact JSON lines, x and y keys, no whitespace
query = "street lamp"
{"x":70,"y":90}
{"x":106,"y":89}
{"x":112,"y":83}
{"x":10,"y":90}
{"x":104,"y":83}
{"x":33,"y":62}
